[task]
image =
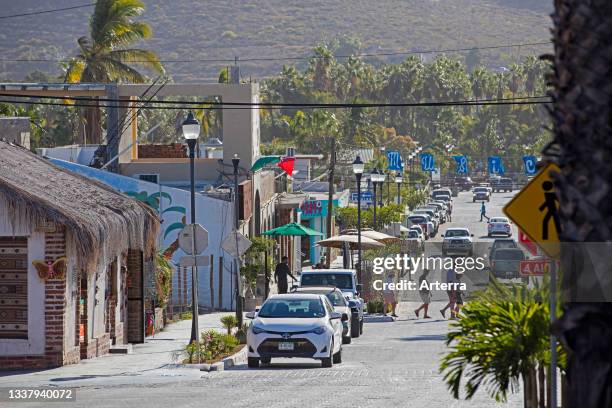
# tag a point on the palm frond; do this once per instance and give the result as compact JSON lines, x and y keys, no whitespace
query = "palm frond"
{"x":120,"y":72}
{"x":145,"y":58}
{"x":74,"y":73}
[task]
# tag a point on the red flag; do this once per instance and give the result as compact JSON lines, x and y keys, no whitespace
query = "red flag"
{"x":287,"y":164}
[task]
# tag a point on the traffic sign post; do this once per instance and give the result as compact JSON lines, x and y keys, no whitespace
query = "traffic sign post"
{"x":535,"y":211}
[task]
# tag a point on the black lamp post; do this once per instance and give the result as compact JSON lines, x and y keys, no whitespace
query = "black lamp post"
{"x":235,"y":163}
{"x":377,"y":177}
{"x":191,"y":131}
{"x":398,"y":181}
{"x":358,"y":171}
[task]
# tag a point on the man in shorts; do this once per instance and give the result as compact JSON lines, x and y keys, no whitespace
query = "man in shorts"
{"x":452,"y":299}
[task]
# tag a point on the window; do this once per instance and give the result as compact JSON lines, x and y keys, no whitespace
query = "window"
{"x":456,"y":233}
{"x":14,"y":288}
{"x":336,"y":298}
{"x":287,"y":308}
{"x":152,"y":178}
{"x":339,"y":280}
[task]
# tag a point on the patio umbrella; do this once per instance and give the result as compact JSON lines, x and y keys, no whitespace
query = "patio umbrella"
{"x":338,"y":241}
{"x":293,"y":229}
{"x":370,"y":233}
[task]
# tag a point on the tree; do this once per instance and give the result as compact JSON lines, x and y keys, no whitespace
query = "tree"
{"x":582,"y":119}
{"x":105,"y":56}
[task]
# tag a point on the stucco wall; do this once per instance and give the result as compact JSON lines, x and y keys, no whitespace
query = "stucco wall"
{"x":35,"y":344}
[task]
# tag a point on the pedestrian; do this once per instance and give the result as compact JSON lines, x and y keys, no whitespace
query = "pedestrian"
{"x":389,"y":296}
{"x":450,"y":279}
{"x":458,"y":295}
{"x":425,"y":294}
{"x":483,"y":212}
{"x":280,"y":274}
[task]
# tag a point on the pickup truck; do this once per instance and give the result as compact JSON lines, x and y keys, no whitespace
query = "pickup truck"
{"x":346,"y":281}
{"x":502,"y":184}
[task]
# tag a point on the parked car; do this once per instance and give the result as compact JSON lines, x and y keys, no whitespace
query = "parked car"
{"x":481,"y":194}
{"x":415,"y":240}
{"x":501,"y":184}
{"x":346,"y":281}
{"x":295,"y":325}
{"x":433,"y":216}
{"x":442,"y":193}
{"x":502,"y":243}
{"x":441,"y":210}
{"x":457,"y":241}
{"x":419,"y":231}
{"x":447,"y":205}
{"x":505,"y":263}
{"x":340,"y":304}
{"x":499,"y":225}
{"x":422,"y":221}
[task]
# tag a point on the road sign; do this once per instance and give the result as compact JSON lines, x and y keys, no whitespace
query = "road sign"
{"x":528,"y":244}
{"x":198,"y":260}
{"x":534,"y":267}
{"x":186,"y":239}
{"x":236,"y":244}
{"x":535,"y":211}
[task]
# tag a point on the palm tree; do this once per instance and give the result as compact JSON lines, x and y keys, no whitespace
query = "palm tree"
{"x":581,"y":112}
{"x":105,"y":56}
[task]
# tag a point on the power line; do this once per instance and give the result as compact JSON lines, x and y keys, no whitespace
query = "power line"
{"x":294,"y":106}
{"x":249,"y":105}
{"x":297,"y":58}
{"x":35,"y":13}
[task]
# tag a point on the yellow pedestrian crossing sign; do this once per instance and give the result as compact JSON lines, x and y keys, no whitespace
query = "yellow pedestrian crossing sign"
{"x":535,"y":210}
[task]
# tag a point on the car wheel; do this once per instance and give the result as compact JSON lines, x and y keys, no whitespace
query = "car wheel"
{"x":355,"y":327}
{"x":361,"y":327}
{"x":338,"y":357}
{"x":347,"y":340}
{"x":253,"y":362}
{"x":266,"y":360}
{"x":327,"y":362}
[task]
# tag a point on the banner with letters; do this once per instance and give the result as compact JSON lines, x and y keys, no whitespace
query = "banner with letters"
{"x":428,"y":162}
{"x":462,"y":164}
{"x":530,"y":165}
{"x":395,"y":161}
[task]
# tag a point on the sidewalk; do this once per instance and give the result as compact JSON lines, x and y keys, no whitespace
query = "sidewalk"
{"x":150,"y":358}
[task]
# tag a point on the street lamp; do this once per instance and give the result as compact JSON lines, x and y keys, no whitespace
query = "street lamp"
{"x":191,"y":131}
{"x":235,"y":163}
{"x":381,"y":180}
{"x":376,"y":177}
{"x":398,"y":181}
{"x":358,"y":171}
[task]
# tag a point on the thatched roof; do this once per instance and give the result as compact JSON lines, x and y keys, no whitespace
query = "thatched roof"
{"x":98,"y":219}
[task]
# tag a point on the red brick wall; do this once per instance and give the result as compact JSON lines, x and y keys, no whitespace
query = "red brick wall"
{"x":170,"y":151}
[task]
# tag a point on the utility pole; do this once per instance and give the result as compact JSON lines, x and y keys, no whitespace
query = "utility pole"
{"x":330,"y":195}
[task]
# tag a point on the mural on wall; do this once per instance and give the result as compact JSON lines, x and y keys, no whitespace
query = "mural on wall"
{"x":155,"y":201}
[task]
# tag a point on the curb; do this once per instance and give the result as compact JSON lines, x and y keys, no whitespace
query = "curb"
{"x":378,"y":319}
{"x":227,"y":363}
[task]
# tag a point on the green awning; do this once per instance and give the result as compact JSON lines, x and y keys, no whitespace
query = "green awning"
{"x":264,"y":161}
{"x":293,"y":229}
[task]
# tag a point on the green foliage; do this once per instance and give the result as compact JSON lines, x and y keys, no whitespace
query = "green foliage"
{"x":386,"y":214}
{"x":375,"y":306}
{"x":190,"y":351}
{"x":163,"y":279}
{"x":229,"y":322}
{"x":502,"y":336}
{"x":214,"y":344}
{"x":255,"y":260}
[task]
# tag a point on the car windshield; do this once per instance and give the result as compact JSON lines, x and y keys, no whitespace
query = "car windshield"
{"x":299,"y":308}
{"x":413,"y":234}
{"x":339,"y":280}
{"x":456,"y":233}
{"x":504,"y":244}
{"x":336,"y":298}
{"x":509,"y":255}
{"x":498,"y":220}
{"x":417,"y":220}
{"x":480,"y":190}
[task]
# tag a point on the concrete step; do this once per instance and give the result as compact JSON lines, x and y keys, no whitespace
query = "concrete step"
{"x":121,"y":349}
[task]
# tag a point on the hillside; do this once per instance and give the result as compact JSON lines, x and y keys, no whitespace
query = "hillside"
{"x":196,"y":29}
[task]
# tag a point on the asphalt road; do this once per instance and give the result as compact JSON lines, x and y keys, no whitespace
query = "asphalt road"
{"x":392,"y":364}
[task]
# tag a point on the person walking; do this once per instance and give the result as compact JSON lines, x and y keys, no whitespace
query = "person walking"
{"x":483,"y":212}
{"x":425,"y":294}
{"x":450,"y":278}
{"x":458,"y":295}
{"x":389,"y":296}
{"x":280,"y":274}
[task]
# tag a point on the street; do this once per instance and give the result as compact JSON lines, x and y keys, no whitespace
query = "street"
{"x":392,"y":364}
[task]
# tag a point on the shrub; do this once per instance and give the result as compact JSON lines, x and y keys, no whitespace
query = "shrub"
{"x":229,"y":322}
{"x":375,"y":306}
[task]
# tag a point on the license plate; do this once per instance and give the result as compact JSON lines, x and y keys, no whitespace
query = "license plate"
{"x":285,"y":346}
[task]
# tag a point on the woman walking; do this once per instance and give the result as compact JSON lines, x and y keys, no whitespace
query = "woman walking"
{"x":425,"y":294}
{"x":389,"y":296}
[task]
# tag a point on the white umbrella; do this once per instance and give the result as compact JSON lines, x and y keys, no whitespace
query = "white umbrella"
{"x":353,"y":240}
{"x":370,"y":233}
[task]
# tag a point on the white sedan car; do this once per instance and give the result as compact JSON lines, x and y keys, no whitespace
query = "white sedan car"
{"x":499,"y":225}
{"x":295,"y":325}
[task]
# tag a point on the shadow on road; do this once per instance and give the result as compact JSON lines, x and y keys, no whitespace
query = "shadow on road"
{"x":425,"y":337}
{"x":276,"y":366}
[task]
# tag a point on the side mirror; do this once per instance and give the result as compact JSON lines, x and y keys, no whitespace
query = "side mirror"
{"x":335,"y":315}
{"x":250,"y":315}
{"x":359,"y":287}
{"x":344,"y":317}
